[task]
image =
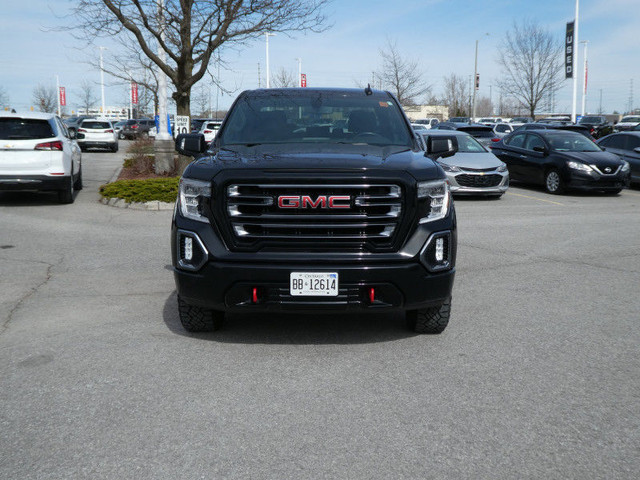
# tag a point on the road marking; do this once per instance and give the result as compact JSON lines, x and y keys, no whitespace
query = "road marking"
{"x":536,"y":198}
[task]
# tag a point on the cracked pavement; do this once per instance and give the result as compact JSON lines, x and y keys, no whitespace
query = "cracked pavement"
{"x":537,"y":375}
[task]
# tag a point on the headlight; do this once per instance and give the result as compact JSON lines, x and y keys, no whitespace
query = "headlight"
{"x":580,"y":166}
{"x":449,"y":168}
{"x":191,"y":195}
{"x":625,"y":166}
{"x":502,"y":168}
{"x":436,"y":193}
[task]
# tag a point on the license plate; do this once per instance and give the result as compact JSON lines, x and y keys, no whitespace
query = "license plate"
{"x":314,"y":284}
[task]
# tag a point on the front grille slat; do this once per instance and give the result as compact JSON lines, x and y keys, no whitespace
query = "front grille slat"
{"x":371,"y":215}
{"x":467,"y":180}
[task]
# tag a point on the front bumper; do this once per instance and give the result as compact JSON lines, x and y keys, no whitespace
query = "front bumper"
{"x":470,"y":183}
{"x":578,"y":180}
{"x":33,"y":182}
{"x":97,"y":143}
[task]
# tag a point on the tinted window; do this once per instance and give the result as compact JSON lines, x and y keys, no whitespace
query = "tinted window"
{"x":503,"y":128}
{"x":316,"y":117}
{"x":591,"y":120}
{"x":571,"y":142}
{"x":516,"y":141}
{"x":478,"y":132}
{"x":630,"y":119}
{"x":632,"y":142}
{"x":25,"y":129}
{"x":613,"y":141}
{"x":96,"y":125}
{"x":533,"y":141}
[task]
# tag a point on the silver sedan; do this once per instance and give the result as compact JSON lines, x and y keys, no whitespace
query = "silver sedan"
{"x":473,"y":170}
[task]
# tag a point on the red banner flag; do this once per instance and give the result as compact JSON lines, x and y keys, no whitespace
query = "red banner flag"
{"x":134,"y":93}
{"x":303,"y":79}
{"x":63,"y":97}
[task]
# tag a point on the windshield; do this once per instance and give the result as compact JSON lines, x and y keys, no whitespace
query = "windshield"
{"x":25,"y":129}
{"x":459,"y":119}
{"x":96,"y":125}
{"x":315,"y":117}
{"x":590,"y":120}
{"x":630,"y":119}
{"x":571,"y":142}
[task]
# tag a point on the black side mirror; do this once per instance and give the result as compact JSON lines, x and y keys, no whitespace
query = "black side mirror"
{"x":190,"y":144}
{"x":542,"y":150}
{"x":441,"y":147}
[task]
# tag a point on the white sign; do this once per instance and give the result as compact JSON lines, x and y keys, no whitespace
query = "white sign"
{"x":182,"y":125}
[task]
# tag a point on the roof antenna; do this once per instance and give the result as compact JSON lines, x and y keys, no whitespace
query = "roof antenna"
{"x":368,"y":90}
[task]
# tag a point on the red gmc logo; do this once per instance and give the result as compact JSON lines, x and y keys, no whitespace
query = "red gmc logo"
{"x":322,"y":201}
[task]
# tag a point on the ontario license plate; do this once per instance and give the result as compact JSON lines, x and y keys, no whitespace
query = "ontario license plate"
{"x":314,"y":284}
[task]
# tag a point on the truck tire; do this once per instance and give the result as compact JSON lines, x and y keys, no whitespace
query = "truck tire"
{"x":431,"y":320}
{"x":198,"y":319}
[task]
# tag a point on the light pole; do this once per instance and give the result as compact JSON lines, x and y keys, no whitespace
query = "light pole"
{"x":163,"y":145}
{"x":575,"y":57}
{"x":102,"y":80}
{"x":299,"y":72}
{"x":584,"y":73}
{"x":267,"y":35}
{"x":475,"y":82}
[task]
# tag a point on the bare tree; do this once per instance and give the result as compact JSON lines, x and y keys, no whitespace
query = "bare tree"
{"x":202,"y":100}
{"x":531,"y":62}
{"x":45,"y":98}
{"x":87,"y":97}
{"x":190,"y":31}
{"x":402,"y":76}
{"x":4,"y":98}
{"x":283,"y":79}
{"x":484,"y":107}
{"x":456,"y":93}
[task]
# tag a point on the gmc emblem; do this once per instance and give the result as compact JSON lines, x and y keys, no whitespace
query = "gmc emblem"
{"x":322,"y":201}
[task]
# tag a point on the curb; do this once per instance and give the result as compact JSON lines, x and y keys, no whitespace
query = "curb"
{"x":154,"y":205}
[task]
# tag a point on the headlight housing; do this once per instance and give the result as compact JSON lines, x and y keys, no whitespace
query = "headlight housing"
{"x":502,"y":168}
{"x":579,"y":166}
{"x":625,"y":166}
{"x":437,"y":194}
{"x":449,"y":168}
{"x":192,"y":194}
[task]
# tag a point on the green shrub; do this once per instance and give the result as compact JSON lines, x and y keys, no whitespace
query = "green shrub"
{"x":141,"y":146}
{"x":161,"y":189}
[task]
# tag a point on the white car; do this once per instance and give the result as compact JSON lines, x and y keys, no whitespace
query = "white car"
{"x":418,"y":126}
{"x":210,"y":129}
{"x":627,"y":123}
{"x":97,"y":134}
{"x":427,"y":122}
{"x":502,"y":129}
{"x":38,"y":153}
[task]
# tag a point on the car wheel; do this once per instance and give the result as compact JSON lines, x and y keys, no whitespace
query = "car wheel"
{"x":114,"y":148}
{"x":78,"y":183}
{"x":66,"y":194}
{"x":198,"y":319}
{"x":431,"y":320}
{"x":553,"y":182}
{"x":121,"y":136}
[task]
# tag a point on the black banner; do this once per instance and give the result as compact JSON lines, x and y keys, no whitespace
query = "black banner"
{"x":568,"y":51}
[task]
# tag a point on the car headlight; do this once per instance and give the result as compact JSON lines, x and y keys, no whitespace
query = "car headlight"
{"x":580,"y":166}
{"x":625,"y":166}
{"x":449,"y":168}
{"x":437,"y":197}
{"x":191,"y":196}
{"x":502,"y":168}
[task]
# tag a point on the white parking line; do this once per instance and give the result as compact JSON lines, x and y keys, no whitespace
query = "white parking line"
{"x":536,"y":198}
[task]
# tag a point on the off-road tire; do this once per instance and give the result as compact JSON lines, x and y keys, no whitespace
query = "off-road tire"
{"x":198,"y":319}
{"x":78,"y":183}
{"x":66,"y":195}
{"x":431,"y":321}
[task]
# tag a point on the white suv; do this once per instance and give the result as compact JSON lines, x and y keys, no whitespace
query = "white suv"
{"x":37,"y":152}
{"x":97,"y":134}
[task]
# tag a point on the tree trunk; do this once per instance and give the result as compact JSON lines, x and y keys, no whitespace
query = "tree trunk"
{"x":183,"y":102}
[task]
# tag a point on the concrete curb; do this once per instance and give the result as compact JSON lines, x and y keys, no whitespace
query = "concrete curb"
{"x":152,"y":206}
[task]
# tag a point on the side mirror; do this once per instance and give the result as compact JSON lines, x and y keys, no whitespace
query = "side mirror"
{"x":542,"y":150}
{"x":190,"y":144}
{"x":441,"y":147}
{"x":72,"y":134}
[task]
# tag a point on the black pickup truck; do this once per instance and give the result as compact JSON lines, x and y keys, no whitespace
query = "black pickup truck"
{"x":314,"y":200}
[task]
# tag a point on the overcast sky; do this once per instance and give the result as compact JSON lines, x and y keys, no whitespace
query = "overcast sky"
{"x":439,"y":34}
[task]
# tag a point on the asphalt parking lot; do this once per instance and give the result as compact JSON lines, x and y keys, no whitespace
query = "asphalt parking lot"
{"x":537,"y":375}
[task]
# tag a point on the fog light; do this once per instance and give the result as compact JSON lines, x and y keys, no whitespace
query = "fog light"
{"x":439,"y":249}
{"x":188,"y":248}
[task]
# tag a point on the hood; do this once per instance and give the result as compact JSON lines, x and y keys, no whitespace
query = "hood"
{"x":314,"y":159}
{"x":601,"y":159}
{"x":473,"y":160}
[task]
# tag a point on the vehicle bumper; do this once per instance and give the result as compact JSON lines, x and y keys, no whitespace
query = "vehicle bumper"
{"x":33,"y":182}
{"x":229,"y":287}
{"x":458,"y":189}
{"x":582,"y":181}
{"x":96,"y":144}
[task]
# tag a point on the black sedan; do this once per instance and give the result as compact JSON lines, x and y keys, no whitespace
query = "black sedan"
{"x":560,"y":160}
{"x":627,"y":146}
{"x":598,"y":125}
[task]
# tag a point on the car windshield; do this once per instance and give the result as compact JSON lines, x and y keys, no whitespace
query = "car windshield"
{"x":590,"y":120}
{"x":25,"y":129}
{"x":329,"y":117}
{"x":96,"y":125}
{"x":459,"y":119}
{"x":468,"y":144}
{"x":571,"y":142}
{"x":630,"y":119}
{"x":479,"y":132}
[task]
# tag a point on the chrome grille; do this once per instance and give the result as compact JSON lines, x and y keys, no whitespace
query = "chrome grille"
{"x":371,"y":214}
